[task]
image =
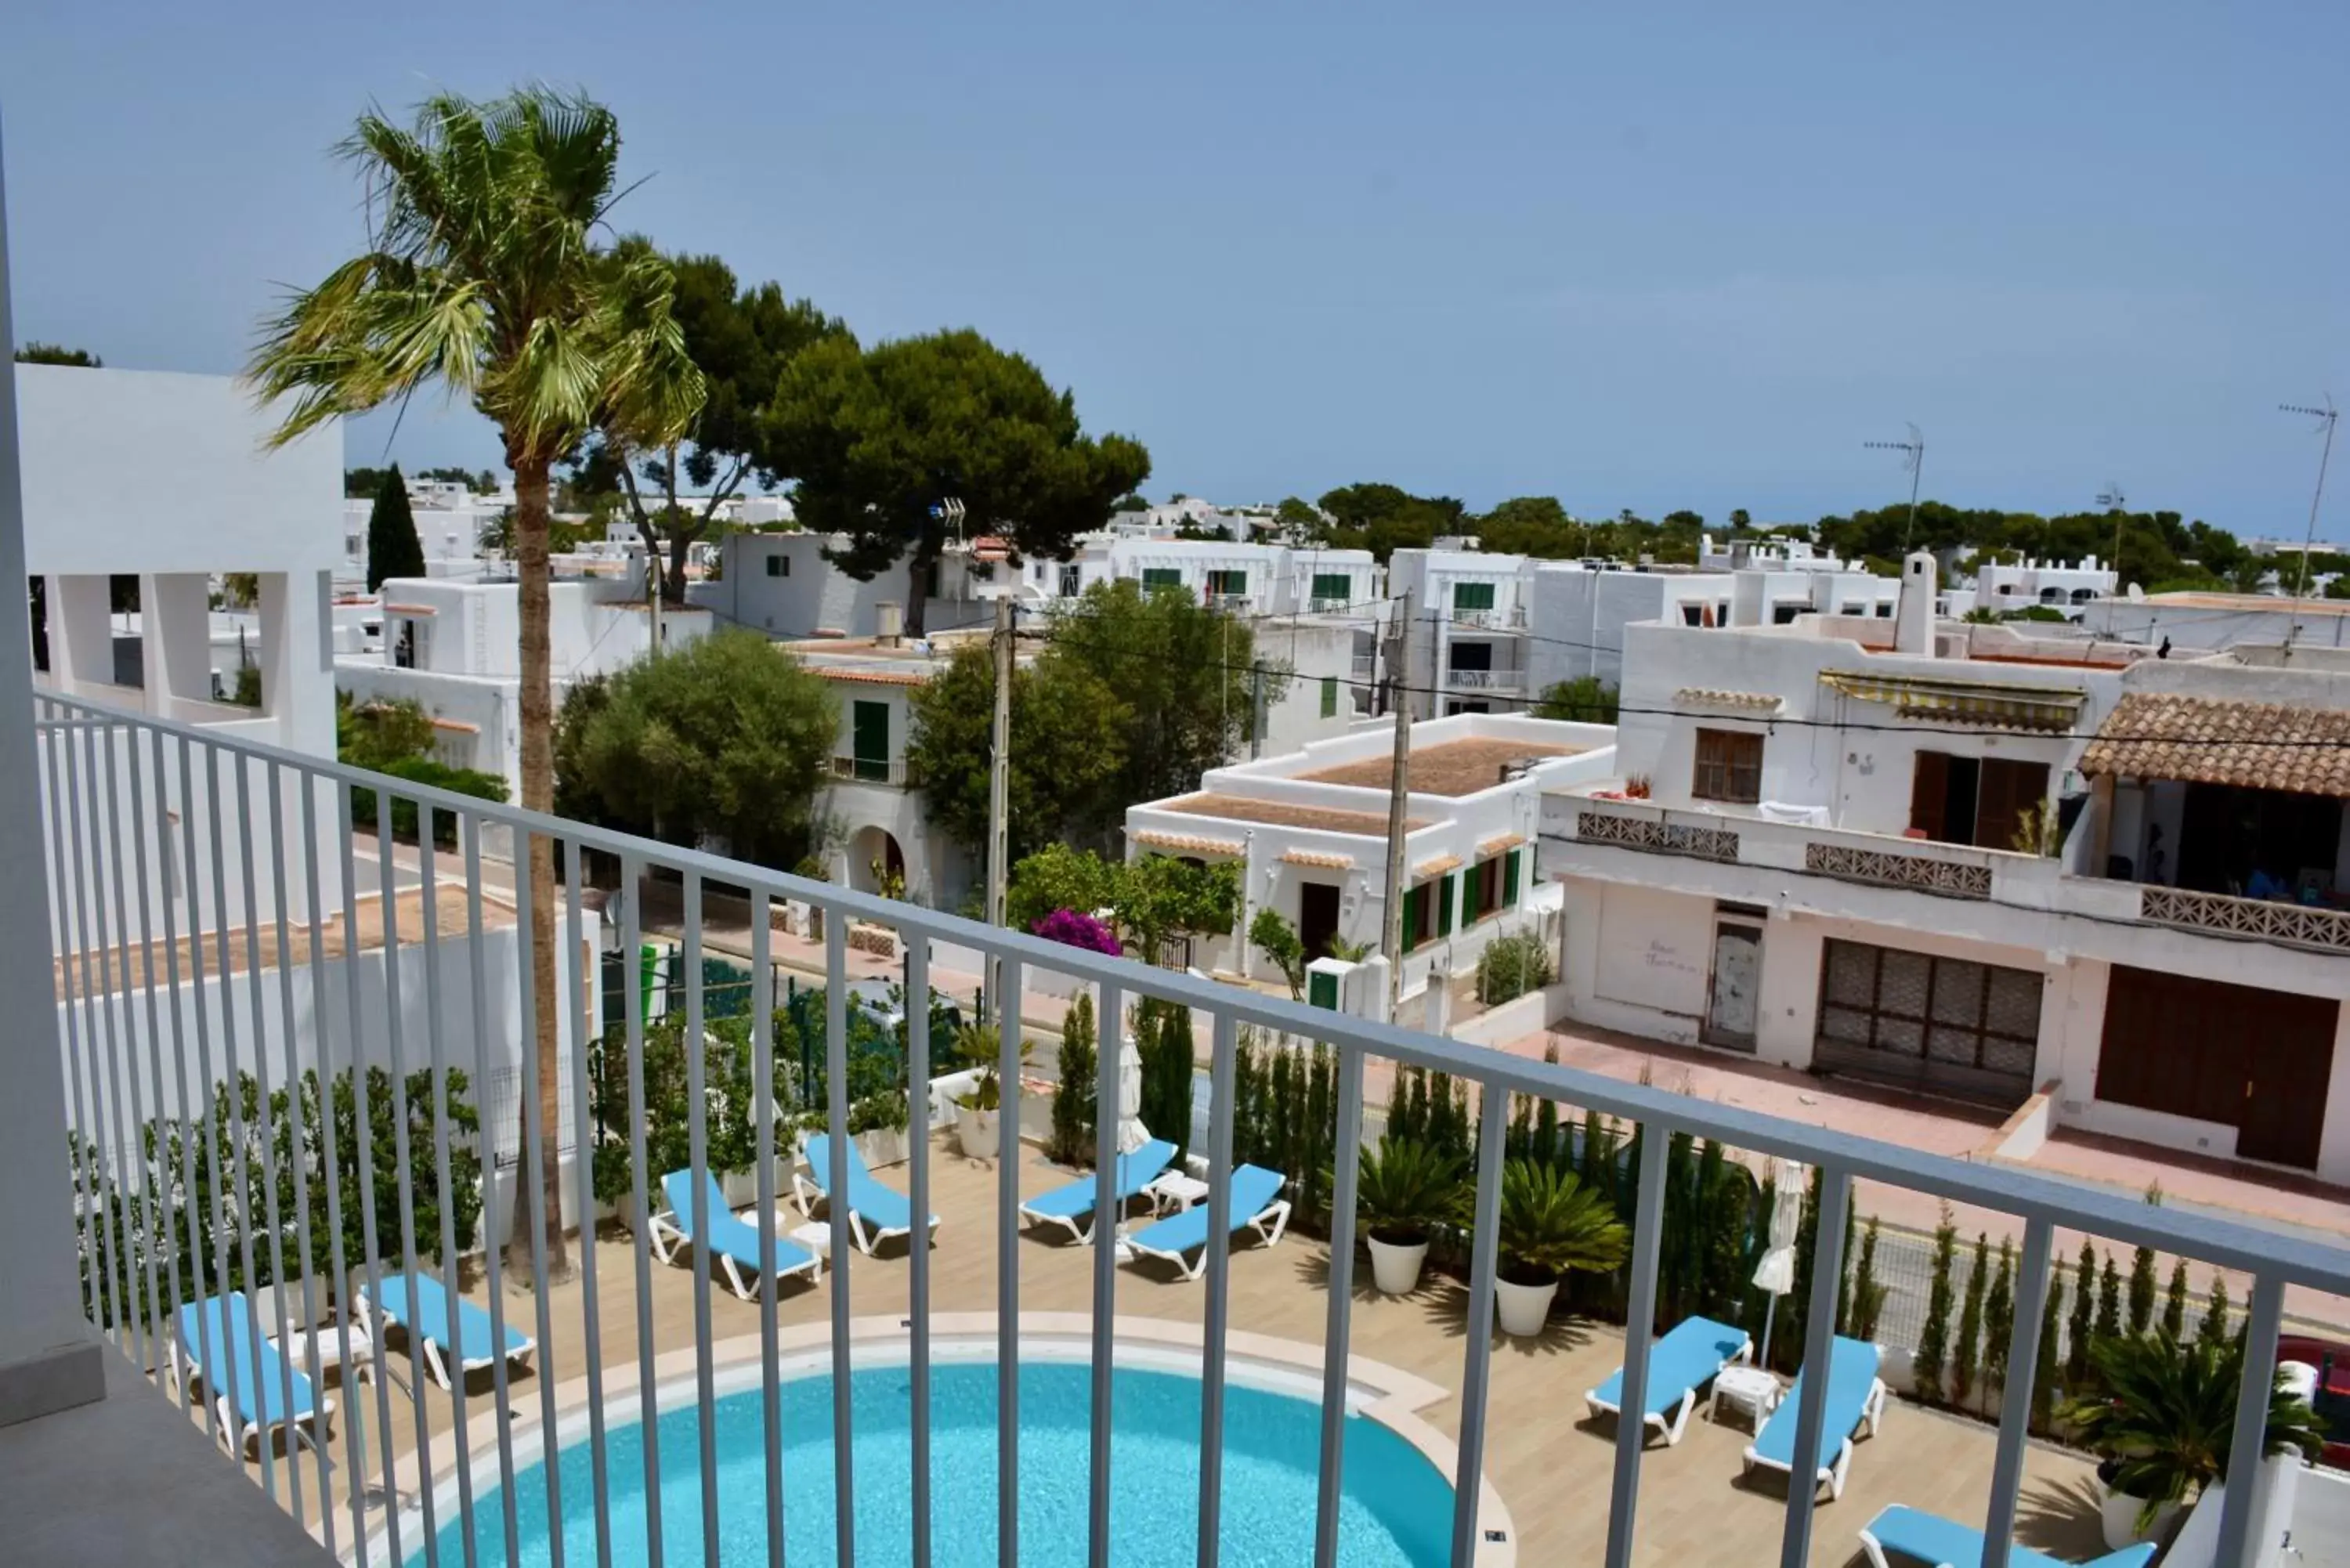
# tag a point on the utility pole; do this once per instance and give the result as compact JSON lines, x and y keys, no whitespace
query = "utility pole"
{"x":2112,"y":499}
{"x":2329,"y":416}
{"x":654,"y":596}
{"x":1399,"y":795}
{"x":998,"y":777}
{"x":1256,"y":710}
{"x":1913,"y":457}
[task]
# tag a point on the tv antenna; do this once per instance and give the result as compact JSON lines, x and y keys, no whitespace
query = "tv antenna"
{"x":2327,"y":418}
{"x":1913,"y":457}
{"x":2112,"y":499}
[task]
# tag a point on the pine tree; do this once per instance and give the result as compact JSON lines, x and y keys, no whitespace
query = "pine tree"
{"x":1999,"y":1318}
{"x":2109,"y":1300}
{"x":2214,"y":1328}
{"x":2043,"y":1376}
{"x":1934,"y":1339}
{"x":1969,"y":1359}
{"x":393,"y":548}
{"x":2085,"y":1307}
{"x":2174,"y":1301}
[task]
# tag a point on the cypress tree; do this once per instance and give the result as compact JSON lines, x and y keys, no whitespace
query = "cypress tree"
{"x":1843,"y":1271}
{"x":1969,"y":1356}
{"x":2174,"y":1301}
{"x":393,"y":548}
{"x":1934,"y":1339}
{"x":2214,"y":1328}
{"x":1868,"y":1295}
{"x":1999,"y":1318}
{"x":1073,"y":1096}
{"x":2085,"y":1307}
{"x":2142,"y":1291}
{"x":2109,"y":1300}
{"x":2043,"y":1378}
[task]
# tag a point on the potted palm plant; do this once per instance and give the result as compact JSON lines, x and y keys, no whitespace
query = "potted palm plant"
{"x":1550,"y":1223}
{"x":2166,"y":1423}
{"x":978,"y":1111}
{"x":1405,"y":1188}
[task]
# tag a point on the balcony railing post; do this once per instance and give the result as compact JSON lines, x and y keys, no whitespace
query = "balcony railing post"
{"x":837,"y":1102}
{"x":1109,"y":1048}
{"x":584,"y":1142}
{"x":1007,"y":1259}
{"x":632,"y":995}
{"x":132,"y":1152}
{"x":763,"y":1103}
{"x":917,"y":1258}
{"x":1819,"y":1348}
{"x":2015,"y":1397}
{"x":1640,"y":1317}
{"x":2250,"y":1444}
{"x":1214,"y":1331}
{"x":1493,"y":1123}
{"x":1345,"y":1170}
{"x":191,"y":1217}
{"x":697,"y":1123}
{"x":526,"y":1169}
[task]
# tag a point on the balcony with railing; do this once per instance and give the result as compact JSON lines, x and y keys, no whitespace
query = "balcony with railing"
{"x":870,"y":769}
{"x":283,"y":1216}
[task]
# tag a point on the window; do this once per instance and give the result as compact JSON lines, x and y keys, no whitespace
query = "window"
{"x":1452,"y":708}
{"x":1233,"y":583}
{"x":1072,"y":582}
{"x":1486,"y":888}
{"x":779,"y":566}
{"x":1332,"y":586}
{"x":1447,"y":900}
{"x":1419,"y":915}
{"x":869,"y":730}
{"x":1785,"y":615}
{"x":1157,"y":577}
{"x":1472,"y":656}
{"x":1885,"y":610}
{"x":1329,"y":696}
{"x":1692,"y":615}
{"x":1471,"y":596}
{"x":1729,"y":766}
{"x":1973,"y":800}
{"x":1951,"y":1024}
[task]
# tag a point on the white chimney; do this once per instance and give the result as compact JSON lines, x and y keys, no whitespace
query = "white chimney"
{"x":889,"y":622}
{"x":1913,"y":619}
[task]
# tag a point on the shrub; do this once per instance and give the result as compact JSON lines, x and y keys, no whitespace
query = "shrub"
{"x":1868,"y":1294}
{"x":1969,"y":1359}
{"x":2079,"y":1329}
{"x":1279,"y":941}
{"x":1512,"y":966}
{"x":1073,"y":1098}
{"x":2174,"y":1301}
{"x":2213,"y":1329}
{"x":1934,"y":1339}
{"x":1999,"y":1318}
{"x":2043,"y":1376}
{"x":1404,"y":1189}
{"x":1072,"y":927}
{"x":1551,"y":1224}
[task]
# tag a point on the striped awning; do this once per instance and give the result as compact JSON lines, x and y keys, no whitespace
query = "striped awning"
{"x":1316,"y":857}
{"x":1994,"y":706}
{"x":1189,"y":843}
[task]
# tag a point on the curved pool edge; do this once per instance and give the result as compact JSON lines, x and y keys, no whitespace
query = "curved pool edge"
{"x":1394,"y":1397}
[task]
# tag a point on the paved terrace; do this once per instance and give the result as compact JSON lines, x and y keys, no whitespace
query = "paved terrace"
{"x":1551,"y":1465}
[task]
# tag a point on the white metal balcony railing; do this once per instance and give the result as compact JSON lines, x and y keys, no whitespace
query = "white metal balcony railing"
{"x":1511,"y":618}
{"x":1231,"y":603}
{"x":1323,"y":604}
{"x":870,"y":769}
{"x":276,"y":829}
{"x":1484,"y":680}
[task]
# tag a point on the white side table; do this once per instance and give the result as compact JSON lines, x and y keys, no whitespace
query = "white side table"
{"x":1174,"y":1189}
{"x":1750,"y":1388}
{"x":816,"y":1235}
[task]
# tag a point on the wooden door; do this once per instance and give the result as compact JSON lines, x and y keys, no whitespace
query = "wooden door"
{"x":2007,"y":790}
{"x":2291,"y":1057}
{"x":2253,"y":1059}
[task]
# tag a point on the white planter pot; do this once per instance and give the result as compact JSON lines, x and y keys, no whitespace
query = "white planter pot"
{"x":882,"y":1146}
{"x":740,"y":1188}
{"x":2120,"y":1515}
{"x":1396,"y":1266}
{"x":978,"y":1132}
{"x":1524,"y":1309}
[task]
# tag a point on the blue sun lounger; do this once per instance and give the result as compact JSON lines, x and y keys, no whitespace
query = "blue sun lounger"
{"x":731,"y":1239}
{"x":1684,"y":1361}
{"x":1258,"y":1204}
{"x":1073,"y":1206}
{"x":419,"y":1304}
{"x":223,"y":1326}
{"x":1906,"y":1535}
{"x":1856,"y":1400}
{"x":876,"y":1212}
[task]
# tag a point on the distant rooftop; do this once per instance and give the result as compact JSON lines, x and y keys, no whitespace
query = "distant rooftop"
{"x":1453,"y":767}
{"x":2270,"y":603}
{"x":1277,"y":814}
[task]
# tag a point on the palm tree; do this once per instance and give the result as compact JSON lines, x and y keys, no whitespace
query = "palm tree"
{"x":482,"y":273}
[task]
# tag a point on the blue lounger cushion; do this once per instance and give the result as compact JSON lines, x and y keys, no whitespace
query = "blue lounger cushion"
{"x":1135,"y":1171}
{"x":1911,"y":1534}
{"x":1684,"y":1359}
{"x":420,"y":1303}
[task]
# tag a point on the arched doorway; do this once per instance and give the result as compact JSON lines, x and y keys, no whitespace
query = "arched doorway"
{"x":876,"y":862}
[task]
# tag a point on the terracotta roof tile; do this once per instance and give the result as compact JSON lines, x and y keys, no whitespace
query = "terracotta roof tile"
{"x":2204,"y":740}
{"x":1189,"y":843}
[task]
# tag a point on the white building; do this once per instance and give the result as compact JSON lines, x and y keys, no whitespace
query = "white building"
{"x":1810,"y":853}
{"x":1308,"y":830}
{"x":1468,"y":638}
{"x":781,"y":584}
{"x":452,"y":523}
{"x":239,"y":507}
{"x":1576,"y":615}
{"x":2209,"y":621}
{"x":2015,"y":586}
{"x":455,"y":649}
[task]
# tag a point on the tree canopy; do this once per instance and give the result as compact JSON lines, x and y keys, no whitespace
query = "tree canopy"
{"x":878,"y":437}
{"x":1068,"y":748}
{"x":1152,"y":900}
{"x":393,"y":550}
{"x":740,"y":339}
{"x":727,"y":739}
{"x":58,"y":354}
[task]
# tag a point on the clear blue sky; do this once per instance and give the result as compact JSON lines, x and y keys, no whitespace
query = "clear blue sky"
{"x":1670,"y":256}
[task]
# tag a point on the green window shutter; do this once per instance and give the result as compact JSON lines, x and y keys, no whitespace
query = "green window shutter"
{"x":1411,"y":919}
{"x":1329,"y":696}
{"x":1161,"y":577}
{"x":1509,"y":878}
{"x":1332,"y":585}
{"x":1471,"y":597}
{"x":870,"y":739}
{"x":1444,"y":904}
{"x":1321,"y":989}
{"x":776,"y":565}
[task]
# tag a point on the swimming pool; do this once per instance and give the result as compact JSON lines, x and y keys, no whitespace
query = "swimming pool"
{"x":1396,"y":1510}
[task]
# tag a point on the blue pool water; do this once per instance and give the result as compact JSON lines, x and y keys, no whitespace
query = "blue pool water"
{"x":1395,"y":1511}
